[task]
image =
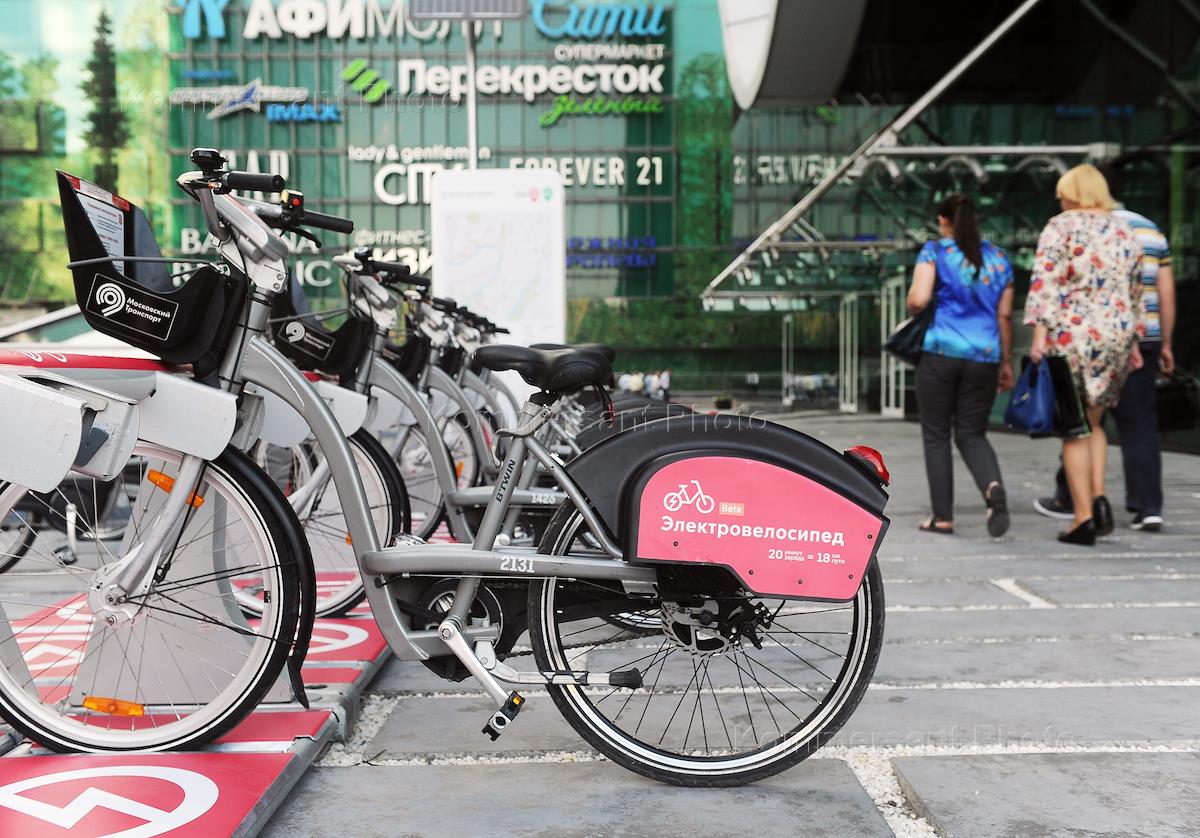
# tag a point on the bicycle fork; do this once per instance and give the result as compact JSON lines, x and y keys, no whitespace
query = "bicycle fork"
{"x":117,"y":589}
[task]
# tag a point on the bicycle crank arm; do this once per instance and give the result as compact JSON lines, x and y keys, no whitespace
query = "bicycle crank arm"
{"x":631,"y":678}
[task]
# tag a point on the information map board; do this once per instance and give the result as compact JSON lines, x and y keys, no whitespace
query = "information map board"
{"x":498,"y":245}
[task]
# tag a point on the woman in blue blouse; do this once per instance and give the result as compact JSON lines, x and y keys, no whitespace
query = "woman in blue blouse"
{"x":965,"y":359}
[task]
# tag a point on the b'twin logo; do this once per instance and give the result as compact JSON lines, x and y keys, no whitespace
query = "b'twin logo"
{"x":294,"y":332}
{"x":110,"y":297}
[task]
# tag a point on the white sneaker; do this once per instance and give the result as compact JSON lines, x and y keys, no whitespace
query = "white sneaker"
{"x":1148,"y":523}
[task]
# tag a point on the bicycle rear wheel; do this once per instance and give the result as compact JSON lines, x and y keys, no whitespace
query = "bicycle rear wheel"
{"x":735,"y":687}
{"x":182,"y":665}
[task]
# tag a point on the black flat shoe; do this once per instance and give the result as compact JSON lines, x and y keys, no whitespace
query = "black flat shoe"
{"x":1084,"y":534}
{"x":1102,"y":514}
{"x":997,"y":515}
{"x":936,"y":525}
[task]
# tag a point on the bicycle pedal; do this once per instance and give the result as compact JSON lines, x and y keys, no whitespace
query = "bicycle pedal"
{"x":505,"y":714}
{"x":631,"y":678}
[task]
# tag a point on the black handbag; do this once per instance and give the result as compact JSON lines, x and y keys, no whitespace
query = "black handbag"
{"x":1070,"y":417}
{"x":907,"y":340}
{"x":1178,"y":401}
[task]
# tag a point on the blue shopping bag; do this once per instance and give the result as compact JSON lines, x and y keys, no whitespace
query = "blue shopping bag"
{"x":1032,"y":406}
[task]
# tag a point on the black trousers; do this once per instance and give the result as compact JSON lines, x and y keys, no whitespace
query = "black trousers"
{"x":1136,"y":415}
{"x":955,"y":395}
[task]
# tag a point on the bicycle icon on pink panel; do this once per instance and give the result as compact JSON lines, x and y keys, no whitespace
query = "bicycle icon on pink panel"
{"x":685,"y":497}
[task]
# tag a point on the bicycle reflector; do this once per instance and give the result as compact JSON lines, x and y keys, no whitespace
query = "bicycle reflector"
{"x":113,"y":706}
{"x":166,"y":483}
{"x":874,"y":460}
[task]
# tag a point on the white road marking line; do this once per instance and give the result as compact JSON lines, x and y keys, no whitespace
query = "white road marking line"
{"x":982,"y":557}
{"x":1072,"y":606}
{"x":839,"y":752}
{"x":880,"y":686}
{"x":1063,"y":577}
{"x":1032,"y":639}
{"x":1015,"y":588}
{"x":877,"y":775}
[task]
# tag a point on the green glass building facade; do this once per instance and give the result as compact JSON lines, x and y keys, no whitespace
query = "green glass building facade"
{"x":666,"y":178}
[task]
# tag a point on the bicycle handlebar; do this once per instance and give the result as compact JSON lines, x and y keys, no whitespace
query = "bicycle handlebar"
{"x":333,"y":223}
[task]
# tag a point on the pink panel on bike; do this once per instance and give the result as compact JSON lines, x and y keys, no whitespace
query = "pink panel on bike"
{"x":780,"y":532}
{"x":45,"y":359}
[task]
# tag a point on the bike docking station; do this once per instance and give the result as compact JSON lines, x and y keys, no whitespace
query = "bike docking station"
{"x":230,"y":787}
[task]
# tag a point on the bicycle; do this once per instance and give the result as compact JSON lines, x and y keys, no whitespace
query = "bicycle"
{"x":768,"y":615}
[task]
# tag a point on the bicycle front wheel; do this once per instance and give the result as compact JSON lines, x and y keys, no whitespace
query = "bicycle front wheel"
{"x":175,"y":667}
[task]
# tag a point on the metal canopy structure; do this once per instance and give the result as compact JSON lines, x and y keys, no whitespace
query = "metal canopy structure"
{"x":744,"y":273}
{"x":833,"y":268}
{"x":790,"y":265}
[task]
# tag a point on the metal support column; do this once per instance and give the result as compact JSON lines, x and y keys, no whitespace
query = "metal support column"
{"x":848,"y":354}
{"x":787,"y":346}
{"x":893,"y":373}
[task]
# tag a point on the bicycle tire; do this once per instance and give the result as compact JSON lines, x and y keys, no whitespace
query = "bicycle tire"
{"x":678,"y":767}
{"x":239,"y":483}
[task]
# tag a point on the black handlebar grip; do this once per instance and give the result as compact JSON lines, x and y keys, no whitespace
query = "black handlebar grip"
{"x":251,"y":182}
{"x":333,"y":223}
{"x":421,"y":282}
{"x":398,"y":270}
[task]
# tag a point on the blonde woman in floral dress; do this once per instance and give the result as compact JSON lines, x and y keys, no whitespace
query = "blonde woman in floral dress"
{"x":1085,"y":304}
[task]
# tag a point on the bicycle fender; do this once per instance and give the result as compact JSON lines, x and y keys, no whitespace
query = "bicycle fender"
{"x":771,"y":505}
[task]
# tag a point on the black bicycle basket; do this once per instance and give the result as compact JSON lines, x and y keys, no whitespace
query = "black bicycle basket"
{"x":451,"y":359}
{"x":301,"y":337}
{"x":139,"y":304}
{"x":411,"y":357}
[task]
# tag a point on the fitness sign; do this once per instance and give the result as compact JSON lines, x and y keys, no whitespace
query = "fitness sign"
{"x":783,"y":534}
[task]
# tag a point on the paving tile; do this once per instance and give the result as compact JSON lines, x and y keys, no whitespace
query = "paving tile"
{"x":454,"y":725}
{"x":1067,"y":591}
{"x":817,"y":798}
{"x":1079,"y":660}
{"x":983,"y":566}
{"x":1045,"y":795}
{"x":1063,"y":716}
{"x":1080,"y":622}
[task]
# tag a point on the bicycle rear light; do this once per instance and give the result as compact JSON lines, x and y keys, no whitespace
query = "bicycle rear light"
{"x":873,"y":459}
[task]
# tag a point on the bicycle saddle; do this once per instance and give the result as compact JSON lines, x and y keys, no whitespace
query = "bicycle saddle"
{"x":552,"y":370}
{"x":595,"y":348}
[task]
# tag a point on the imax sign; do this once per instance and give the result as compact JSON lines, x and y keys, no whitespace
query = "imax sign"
{"x":303,"y":113}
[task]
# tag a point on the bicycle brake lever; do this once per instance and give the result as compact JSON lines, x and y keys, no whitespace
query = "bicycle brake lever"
{"x":303,"y":233}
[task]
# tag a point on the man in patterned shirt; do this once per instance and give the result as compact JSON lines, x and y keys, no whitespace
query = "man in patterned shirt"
{"x":1137,"y":413}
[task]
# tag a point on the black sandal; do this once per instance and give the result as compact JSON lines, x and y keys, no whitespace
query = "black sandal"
{"x":997,"y":514}
{"x":932,"y":525}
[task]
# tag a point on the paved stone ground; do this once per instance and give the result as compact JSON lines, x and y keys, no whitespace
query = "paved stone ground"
{"x":1025,"y":689}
